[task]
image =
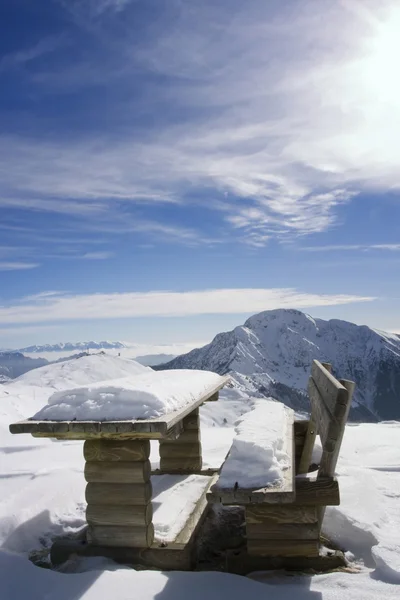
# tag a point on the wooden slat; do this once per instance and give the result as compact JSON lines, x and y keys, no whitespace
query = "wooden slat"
{"x":110,"y":451}
{"x":147,"y":428}
{"x":283,"y":547}
{"x":320,"y":491}
{"x":174,"y":450}
{"x":283,"y":493}
{"x":122,"y":537}
{"x":281,"y":514}
{"x":118,"y":493}
{"x":122,"y":472}
{"x":286,"y":531}
{"x":329,"y":460}
{"x":192,"y":421}
{"x":187,"y":437}
{"x":194,"y":521}
{"x":181,"y":465}
{"x":115,"y":514}
{"x":308,"y":447}
{"x":333,"y":393}
{"x":326,"y":424}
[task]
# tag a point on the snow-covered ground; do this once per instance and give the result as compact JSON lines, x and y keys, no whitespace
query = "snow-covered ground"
{"x":42,"y":496}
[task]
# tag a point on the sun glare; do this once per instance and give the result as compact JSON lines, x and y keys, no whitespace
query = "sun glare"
{"x":382,"y":63}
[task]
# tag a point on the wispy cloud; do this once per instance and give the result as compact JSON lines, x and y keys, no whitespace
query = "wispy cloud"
{"x":352,"y":247}
{"x":281,"y":120}
{"x":27,"y":55}
{"x":98,"y":255}
{"x":17,"y":266}
{"x":64,"y":307}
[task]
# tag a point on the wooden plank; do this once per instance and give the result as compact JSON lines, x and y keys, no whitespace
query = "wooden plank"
{"x":187,"y":437}
{"x":82,"y":427}
{"x":283,"y":547}
{"x":300,"y":428}
{"x":29,"y":426}
{"x":174,"y":450}
{"x":115,"y":514}
{"x":334,"y":394}
{"x":122,"y":537}
{"x":281,"y":514}
{"x":146,"y":428}
{"x":328,"y":461}
{"x":308,"y":447}
{"x":110,"y":451}
{"x":118,"y":493}
{"x":181,"y":465}
{"x":82,"y":436}
{"x":192,"y":421}
{"x":193,"y":523}
{"x":114,"y":472}
{"x":320,"y":491}
{"x":286,"y":531}
{"x":241,"y":563}
{"x":283,"y":493}
{"x":326,"y":424}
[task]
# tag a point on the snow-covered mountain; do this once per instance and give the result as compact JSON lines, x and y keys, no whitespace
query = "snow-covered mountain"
{"x":73,"y":346}
{"x":272,"y":352}
{"x":14,"y":364}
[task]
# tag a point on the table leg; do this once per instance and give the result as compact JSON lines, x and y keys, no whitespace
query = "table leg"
{"x":118,"y":493}
{"x":184,"y":454}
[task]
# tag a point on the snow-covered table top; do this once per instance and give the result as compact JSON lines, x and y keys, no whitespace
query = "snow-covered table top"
{"x":146,"y":406}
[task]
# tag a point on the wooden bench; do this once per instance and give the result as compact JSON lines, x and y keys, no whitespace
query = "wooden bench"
{"x":119,"y":487}
{"x":284,"y":521}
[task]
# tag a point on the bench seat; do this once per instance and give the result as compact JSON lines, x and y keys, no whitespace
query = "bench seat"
{"x":260,"y":465}
{"x":283,"y":518}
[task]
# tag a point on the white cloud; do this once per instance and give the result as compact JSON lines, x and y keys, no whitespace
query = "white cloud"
{"x":98,"y":255}
{"x":50,"y":307}
{"x":355,"y":247}
{"x":17,"y":266}
{"x":295,"y":112}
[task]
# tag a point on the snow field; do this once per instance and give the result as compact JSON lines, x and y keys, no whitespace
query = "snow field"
{"x":42,"y":496}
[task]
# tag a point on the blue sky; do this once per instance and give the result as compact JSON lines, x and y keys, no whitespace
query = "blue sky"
{"x":168,"y":168}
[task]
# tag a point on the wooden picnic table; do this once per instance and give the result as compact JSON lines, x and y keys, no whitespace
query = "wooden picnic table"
{"x":118,"y":469}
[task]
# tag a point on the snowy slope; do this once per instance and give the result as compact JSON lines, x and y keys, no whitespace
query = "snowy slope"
{"x":82,"y":371}
{"x":272,"y":352}
{"x":42,"y":496}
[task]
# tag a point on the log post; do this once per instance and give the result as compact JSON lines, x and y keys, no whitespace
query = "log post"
{"x":118,"y":493}
{"x":183,"y":455}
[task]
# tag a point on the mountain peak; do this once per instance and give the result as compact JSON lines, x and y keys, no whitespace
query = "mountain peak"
{"x":271,"y":354}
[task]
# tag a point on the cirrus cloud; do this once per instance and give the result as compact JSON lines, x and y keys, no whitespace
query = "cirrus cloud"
{"x":53,"y":307}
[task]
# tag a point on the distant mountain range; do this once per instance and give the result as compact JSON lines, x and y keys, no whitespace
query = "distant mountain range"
{"x":72,"y":347}
{"x":271,"y":354}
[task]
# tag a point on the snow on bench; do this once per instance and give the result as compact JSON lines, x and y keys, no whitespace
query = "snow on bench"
{"x":260,"y":463}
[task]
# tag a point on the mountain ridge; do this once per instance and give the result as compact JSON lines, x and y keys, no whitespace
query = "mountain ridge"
{"x":72,"y":346}
{"x":271,"y":354}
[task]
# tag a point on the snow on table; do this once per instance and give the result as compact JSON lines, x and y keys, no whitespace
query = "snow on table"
{"x":145,"y":396}
{"x":258,"y":457}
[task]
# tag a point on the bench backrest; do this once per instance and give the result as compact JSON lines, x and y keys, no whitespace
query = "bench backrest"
{"x":330,"y":404}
